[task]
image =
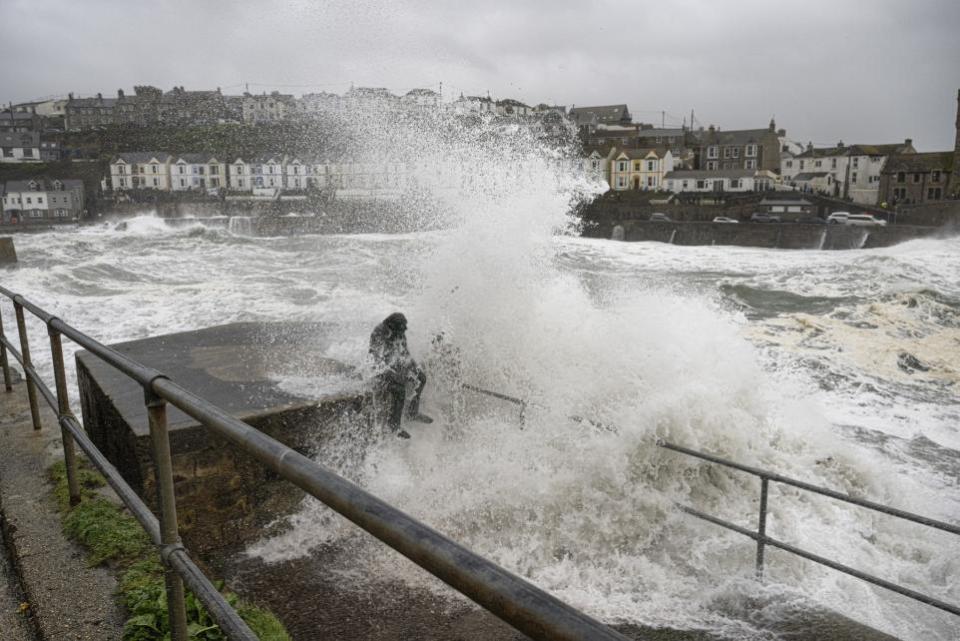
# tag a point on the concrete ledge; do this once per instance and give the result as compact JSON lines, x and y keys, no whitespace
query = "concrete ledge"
{"x":224,"y":496}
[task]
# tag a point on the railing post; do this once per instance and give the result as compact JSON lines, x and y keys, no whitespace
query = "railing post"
{"x":7,"y":383}
{"x":762,"y":526}
{"x":25,"y":355}
{"x":169,"y":531}
{"x":63,"y":407}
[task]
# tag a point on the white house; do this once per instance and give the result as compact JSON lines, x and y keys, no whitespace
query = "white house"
{"x":197,"y":172}
{"x":42,"y":200}
{"x":640,"y":169}
{"x":141,"y":170}
{"x":719,"y":180}
{"x":20,"y":147}
{"x":240,"y":175}
{"x":468,"y":105}
{"x":852,"y":171}
{"x":297,"y":173}
{"x":267,"y":172}
{"x":596,"y":164}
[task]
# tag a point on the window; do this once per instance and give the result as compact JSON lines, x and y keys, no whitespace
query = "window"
{"x":685,"y":185}
{"x":650,"y":181}
{"x":181,"y":171}
{"x":933,"y":193}
{"x":833,"y":163}
{"x":183,"y":183}
{"x":650,"y":164}
{"x":853,"y":177}
{"x":28,"y":200}
{"x":8,"y":152}
{"x":856,"y":162}
{"x":736,"y":152}
{"x":916,"y":178}
{"x":240,"y":183}
{"x":39,"y":200}
{"x":750,"y":164}
{"x":214,"y":182}
{"x":712,"y":165}
{"x":751,"y":151}
{"x":935,"y":176}
{"x":818,"y":163}
{"x":734,"y":183}
{"x":155,"y":183}
{"x":595,"y":164}
{"x":27,"y":152}
{"x":727,"y":152}
{"x":214,"y":170}
{"x":901,"y":177}
{"x":712,"y":151}
{"x":899,"y":193}
{"x":789,"y":164}
{"x":621,"y":182}
{"x":802,"y":163}
{"x":121,"y":170}
{"x":621,"y":166}
{"x":701,"y":184}
{"x":153,"y":169}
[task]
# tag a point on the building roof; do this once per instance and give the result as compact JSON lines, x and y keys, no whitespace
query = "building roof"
{"x":43,"y":184}
{"x":920,"y":163}
{"x":422,"y":92}
{"x":810,"y":175}
{"x":603,"y":114}
{"x":639,"y":153}
{"x":91,"y":102}
{"x":20,"y":139}
{"x":857,"y":150}
{"x":736,"y":136}
{"x":196,"y":158}
{"x":697,"y":174}
{"x":139,"y":157}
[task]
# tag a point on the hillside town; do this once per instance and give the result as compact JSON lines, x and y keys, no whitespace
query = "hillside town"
{"x":630,"y":156}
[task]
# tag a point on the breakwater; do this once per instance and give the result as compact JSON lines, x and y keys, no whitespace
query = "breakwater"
{"x":765,"y":235}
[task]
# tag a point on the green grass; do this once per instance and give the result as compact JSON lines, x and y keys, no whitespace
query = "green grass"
{"x":114,"y":538}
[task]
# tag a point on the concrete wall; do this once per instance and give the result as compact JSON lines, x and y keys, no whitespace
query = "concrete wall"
{"x":8,"y":253}
{"x":773,"y":236}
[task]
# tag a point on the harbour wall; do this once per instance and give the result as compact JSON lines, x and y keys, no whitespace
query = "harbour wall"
{"x":766,"y":235}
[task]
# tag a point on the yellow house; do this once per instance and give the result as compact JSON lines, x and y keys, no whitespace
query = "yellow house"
{"x":641,"y":168}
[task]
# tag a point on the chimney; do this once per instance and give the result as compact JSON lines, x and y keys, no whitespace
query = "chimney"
{"x":907,"y":142}
{"x":100,"y":97}
{"x":809,"y":146}
{"x":840,"y":145}
{"x":70,"y":96}
{"x":120,"y":94}
{"x":782,"y":133}
{"x":773,"y":125}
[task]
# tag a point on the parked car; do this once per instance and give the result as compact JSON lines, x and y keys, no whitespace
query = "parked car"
{"x":761,"y":217}
{"x":865,"y":220}
{"x":725,"y":219}
{"x":838,"y":218}
{"x":658,"y":217}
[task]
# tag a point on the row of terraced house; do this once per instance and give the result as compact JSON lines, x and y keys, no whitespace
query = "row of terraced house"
{"x":161,"y":171}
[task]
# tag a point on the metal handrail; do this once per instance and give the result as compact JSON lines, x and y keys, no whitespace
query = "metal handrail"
{"x":509,"y":597}
{"x":760,"y":535}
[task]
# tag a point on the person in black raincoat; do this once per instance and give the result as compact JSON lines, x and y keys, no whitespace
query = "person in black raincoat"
{"x":394,"y":368}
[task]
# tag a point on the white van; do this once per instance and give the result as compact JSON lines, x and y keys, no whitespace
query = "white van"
{"x":838,"y":218}
{"x":864,"y":220}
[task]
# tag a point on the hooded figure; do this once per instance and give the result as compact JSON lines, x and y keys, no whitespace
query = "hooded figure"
{"x":395,"y":368}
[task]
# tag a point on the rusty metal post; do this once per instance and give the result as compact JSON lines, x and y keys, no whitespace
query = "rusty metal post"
{"x":169,"y":531}
{"x":63,"y":408}
{"x":7,"y":383}
{"x":25,"y":355}
{"x":762,"y":526}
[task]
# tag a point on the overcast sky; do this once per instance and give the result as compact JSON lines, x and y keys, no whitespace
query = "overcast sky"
{"x":864,"y":71}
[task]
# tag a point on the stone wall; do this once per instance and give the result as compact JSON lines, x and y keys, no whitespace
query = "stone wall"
{"x":773,"y":236}
{"x":8,"y":253}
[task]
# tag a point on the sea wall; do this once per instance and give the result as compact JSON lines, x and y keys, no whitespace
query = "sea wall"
{"x":768,"y":235}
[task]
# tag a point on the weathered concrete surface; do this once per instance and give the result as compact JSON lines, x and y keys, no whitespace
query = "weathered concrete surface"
{"x":68,"y":600}
{"x":767,"y":235}
{"x":224,"y":496}
{"x":8,"y":253}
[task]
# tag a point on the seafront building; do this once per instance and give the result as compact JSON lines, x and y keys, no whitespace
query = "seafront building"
{"x":42,"y":200}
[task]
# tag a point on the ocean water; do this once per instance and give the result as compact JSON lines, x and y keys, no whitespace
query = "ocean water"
{"x":837,"y":368}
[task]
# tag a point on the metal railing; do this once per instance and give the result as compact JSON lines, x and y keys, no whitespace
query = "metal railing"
{"x":760,"y":535}
{"x":509,"y":597}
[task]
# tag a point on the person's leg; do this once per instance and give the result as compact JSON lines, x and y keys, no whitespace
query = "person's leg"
{"x":396,"y":394}
{"x":414,"y":409}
